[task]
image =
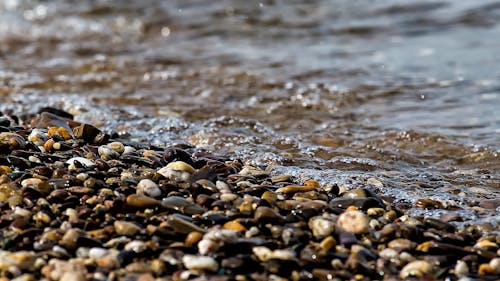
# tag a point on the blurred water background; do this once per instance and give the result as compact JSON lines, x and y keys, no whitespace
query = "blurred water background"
{"x":407,"y":92}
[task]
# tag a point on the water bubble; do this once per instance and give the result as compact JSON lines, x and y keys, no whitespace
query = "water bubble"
{"x":165,"y":31}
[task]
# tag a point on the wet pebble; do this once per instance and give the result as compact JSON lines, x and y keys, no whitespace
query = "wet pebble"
{"x":417,"y":269}
{"x":353,"y":221}
{"x":201,"y":263}
{"x":126,"y":228}
{"x":149,"y":188}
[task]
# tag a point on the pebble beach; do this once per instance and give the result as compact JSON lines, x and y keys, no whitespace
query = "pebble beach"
{"x":78,"y":203}
{"x":249,"y":140}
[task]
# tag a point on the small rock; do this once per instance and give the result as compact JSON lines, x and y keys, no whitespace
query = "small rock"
{"x":96,"y":253}
{"x":107,"y":152}
{"x":117,"y":146}
{"x":416,"y":268}
{"x":267,"y":215}
{"x":181,"y":166}
{"x":321,"y":227}
{"x":126,"y":228}
{"x":461,"y":268}
{"x":141,"y":201}
{"x":200,"y":263}
{"x":354,"y":221}
{"x":84,"y":161}
{"x":294,"y":189}
{"x":149,"y":188}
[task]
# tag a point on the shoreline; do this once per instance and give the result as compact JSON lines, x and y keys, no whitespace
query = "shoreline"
{"x":77,"y":203}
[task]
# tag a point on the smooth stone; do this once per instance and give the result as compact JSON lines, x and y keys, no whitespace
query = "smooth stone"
{"x":90,"y":134}
{"x":107,"y":152}
{"x":182,"y":205}
{"x":416,"y":268}
{"x":181,"y":166}
{"x":126,"y":228}
{"x":149,"y":188}
{"x":265,"y":254}
{"x":402,"y":244}
{"x":96,"y":253}
{"x":234,"y":225}
{"x":181,"y":225}
{"x":290,"y":189}
{"x":84,"y":161}
{"x":38,"y":184}
{"x":192,"y":238}
{"x":321,"y":227}
{"x":136,"y":246}
{"x":11,"y":141}
{"x":117,"y":146}
{"x":38,"y":137}
{"x":141,"y":201}
{"x":201,"y":263}
{"x":267,"y":215}
{"x":353,"y":221}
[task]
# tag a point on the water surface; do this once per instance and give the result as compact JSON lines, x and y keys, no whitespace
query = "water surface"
{"x":339,"y":91}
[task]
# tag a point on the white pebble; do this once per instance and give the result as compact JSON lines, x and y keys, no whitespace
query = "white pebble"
{"x":97,"y":252}
{"x":149,"y":188}
{"x":354,"y":221}
{"x":200,"y":263}
{"x":84,"y":161}
{"x":321,"y":227}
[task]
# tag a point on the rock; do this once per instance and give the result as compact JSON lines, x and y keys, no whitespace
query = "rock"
{"x":90,"y":134}
{"x":182,"y":205}
{"x":321,"y":227}
{"x":149,"y":188}
{"x":83,"y":161}
{"x":10,"y":141}
{"x":141,"y":201}
{"x":267,"y":215}
{"x":200,"y":263}
{"x":126,"y":228}
{"x":107,"y":152}
{"x":181,"y":166}
{"x":118,"y":147}
{"x":353,"y":221}
{"x":417,"y":269}
{"x":294,"y":189}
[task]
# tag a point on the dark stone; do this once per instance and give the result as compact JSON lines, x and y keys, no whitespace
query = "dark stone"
{"x":56,"y":111}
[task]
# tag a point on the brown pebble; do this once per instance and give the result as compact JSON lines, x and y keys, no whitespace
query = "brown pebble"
{"x":290,"y":189}
{"x":141,"y":201}
{"x":267,"y":215}
{"x":192,"y":238}
{"x":234,"y":225}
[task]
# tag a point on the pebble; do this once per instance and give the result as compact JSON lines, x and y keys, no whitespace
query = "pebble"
{"x":416,"y":268}
{"x":321,"y":227}
{"x":354,"y":221}
{"x":294,"y":189}
{"x":200,"y":263}
{"x":116,"y":146}
{"x":96,"y":253}
{"x":107,"y":152}
{"x":267,"y":215}
{"x":141,"y":201}
{"x":126,"y":228}
{"x":149,"y":188}
{"x":180,"y":212}
{"x":180,"y":166}
{"x":84,"y":161}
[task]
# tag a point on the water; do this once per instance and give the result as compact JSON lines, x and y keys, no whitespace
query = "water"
{"x":339,"y":91}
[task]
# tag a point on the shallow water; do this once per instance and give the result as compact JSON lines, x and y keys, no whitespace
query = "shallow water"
{"x":340,"y":91}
